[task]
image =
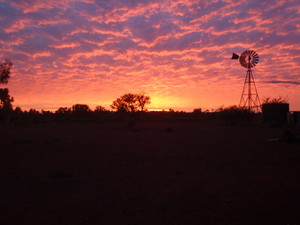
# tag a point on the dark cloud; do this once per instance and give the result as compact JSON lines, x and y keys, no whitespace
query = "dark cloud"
{"x":6,"y":38}
{"x":9,"y":15}
{"x":46,"y":15}
{"x":142,"y":28}
{"x":87,"y":9}
{"x":282,"y":82}
{"x":88,"y":47}
{"x":87,"y":36}
{"x":34,"y":45}
{"x":18,"y":57}
{"x":57,"y":31}
{"x":121,"y":45}
{"x":175,"y":41}
{"x":187,"y":41}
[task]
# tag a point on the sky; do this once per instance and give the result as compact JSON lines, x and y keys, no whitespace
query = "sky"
{"x":178,"y":52}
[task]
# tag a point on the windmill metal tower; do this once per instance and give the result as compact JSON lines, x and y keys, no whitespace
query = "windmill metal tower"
{"x":249,"y":98}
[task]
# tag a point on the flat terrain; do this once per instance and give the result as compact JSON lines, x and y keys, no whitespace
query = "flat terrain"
{"x":162,"y":174}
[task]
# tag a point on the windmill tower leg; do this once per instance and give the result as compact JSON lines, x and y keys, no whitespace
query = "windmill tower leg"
{"x":249,"y":98}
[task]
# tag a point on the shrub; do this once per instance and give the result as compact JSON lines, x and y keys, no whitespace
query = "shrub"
{"x":234,"y":115}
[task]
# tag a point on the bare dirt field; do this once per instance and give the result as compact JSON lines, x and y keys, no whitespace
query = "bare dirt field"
{"x":161,"y":174}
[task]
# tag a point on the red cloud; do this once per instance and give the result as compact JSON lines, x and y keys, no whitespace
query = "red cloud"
{"x":176,"y":51}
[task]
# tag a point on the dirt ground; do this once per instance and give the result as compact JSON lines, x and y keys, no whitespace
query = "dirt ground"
{"x":161,"y":174}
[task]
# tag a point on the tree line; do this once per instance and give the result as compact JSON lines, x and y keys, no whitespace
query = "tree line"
{"x":129,"y":107}
{"x":128,"y":103}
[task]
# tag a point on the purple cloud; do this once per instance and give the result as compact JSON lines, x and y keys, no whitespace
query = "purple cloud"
{"x":154,"y":46}
{"x":282,"y":82}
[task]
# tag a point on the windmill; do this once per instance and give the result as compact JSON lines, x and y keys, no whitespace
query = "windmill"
{"x":249,"y":98}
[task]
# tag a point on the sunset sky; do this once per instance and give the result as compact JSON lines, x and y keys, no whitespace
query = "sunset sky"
{"x":176,"y":51}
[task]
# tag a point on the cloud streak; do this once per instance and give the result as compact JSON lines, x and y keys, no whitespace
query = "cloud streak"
{"x":91,"y":52}
{"x":282,"y":82}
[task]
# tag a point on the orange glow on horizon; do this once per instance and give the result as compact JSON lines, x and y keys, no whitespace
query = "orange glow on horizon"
{"x":176,"y":52}
{"x":155,"y":110}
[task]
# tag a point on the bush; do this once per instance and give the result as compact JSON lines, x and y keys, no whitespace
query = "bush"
{"x":234,"y":115}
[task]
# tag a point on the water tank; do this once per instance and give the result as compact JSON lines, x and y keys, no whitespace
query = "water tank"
{"x":276,"y":114}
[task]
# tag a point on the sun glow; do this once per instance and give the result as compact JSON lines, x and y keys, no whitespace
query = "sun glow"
{"x":156,"y":110}
{"x":178,"y":54}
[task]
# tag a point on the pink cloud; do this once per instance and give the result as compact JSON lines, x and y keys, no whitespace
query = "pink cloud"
{"x":178,"y":51}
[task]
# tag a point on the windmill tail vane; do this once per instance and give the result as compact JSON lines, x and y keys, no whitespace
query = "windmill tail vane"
{"x":235,"y":56}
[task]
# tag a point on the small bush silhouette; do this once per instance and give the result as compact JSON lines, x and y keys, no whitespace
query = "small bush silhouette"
{"x":234,"y":115}
{"x":278,"y":100}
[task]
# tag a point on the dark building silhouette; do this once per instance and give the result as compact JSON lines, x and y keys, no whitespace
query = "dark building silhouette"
{"x":276,"y":114}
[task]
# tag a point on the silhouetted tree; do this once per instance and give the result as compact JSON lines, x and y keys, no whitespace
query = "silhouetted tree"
{"x":5,"y":99}
{"x":126,"y":103}
{"x":100,"y":108}
{"x":17,"y":116}
{"x":5,"y":71}
{"x":81,"y":111}
{"x":131,"y":103}
{"x":199,"y":110}
{"x":33,"y":116}
{"x":80,"y":108}
{"x":33,"y":111}
{"x":18,"y":110}
{"x":63,"y":114}
{"x":46,"y":116}
{"x":63,"y":110}
{"x":143,"y":100}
